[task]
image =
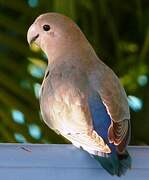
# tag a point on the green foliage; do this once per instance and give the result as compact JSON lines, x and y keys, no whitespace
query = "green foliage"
{"x":119,"y":32}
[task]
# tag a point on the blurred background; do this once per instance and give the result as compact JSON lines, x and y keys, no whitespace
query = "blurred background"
{"x":118,"y":31}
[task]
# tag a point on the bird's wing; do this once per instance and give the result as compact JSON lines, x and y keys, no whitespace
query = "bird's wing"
{"x":113,"y":96}
{"x":77,"y":123}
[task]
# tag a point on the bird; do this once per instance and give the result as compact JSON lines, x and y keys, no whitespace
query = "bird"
{"x":81,"y":98}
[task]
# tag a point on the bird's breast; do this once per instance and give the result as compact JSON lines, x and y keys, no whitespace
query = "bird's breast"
{"x":62,"y":105}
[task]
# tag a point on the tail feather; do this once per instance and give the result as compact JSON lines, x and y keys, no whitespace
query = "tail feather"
{"x":124,"y":163}
{"x":115,"y":164}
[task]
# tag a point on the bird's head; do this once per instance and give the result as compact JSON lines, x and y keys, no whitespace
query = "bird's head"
{"x":55,"y":33}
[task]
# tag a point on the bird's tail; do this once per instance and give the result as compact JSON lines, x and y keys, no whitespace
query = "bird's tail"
{"x":115,"y":164}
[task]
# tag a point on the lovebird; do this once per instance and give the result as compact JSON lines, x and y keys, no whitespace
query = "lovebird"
{"x":81,"y":98}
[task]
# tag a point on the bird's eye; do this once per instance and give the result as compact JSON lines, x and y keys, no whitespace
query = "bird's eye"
{"x":46,"y":27}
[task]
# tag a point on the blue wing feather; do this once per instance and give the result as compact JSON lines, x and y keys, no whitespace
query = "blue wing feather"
{"x":114,"y":163}
{"x":100,"y":117}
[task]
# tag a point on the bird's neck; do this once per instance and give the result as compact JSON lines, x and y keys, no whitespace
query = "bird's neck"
{"x":70,"y":53}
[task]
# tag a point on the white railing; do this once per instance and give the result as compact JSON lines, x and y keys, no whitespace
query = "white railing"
{"x":63,"y":162}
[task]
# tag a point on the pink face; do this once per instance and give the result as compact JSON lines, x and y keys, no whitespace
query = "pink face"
{"x":44,"y":33}
{"x":55,"y":34}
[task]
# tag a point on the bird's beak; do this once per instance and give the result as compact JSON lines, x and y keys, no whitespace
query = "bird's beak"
{"x":33,"y":39}
{"x":32,"y":35}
